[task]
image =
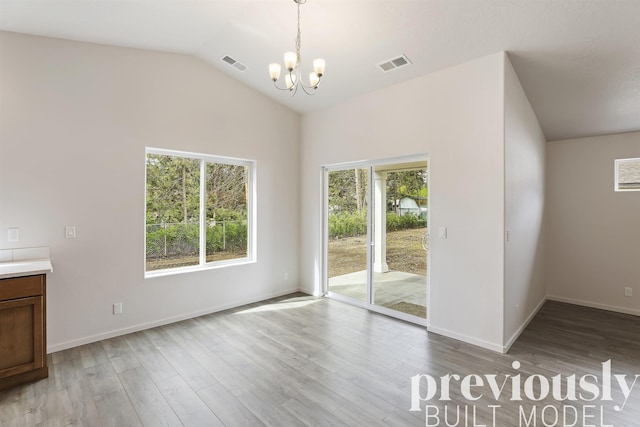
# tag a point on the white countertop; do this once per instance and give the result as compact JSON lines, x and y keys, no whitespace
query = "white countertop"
{"x":24,"y":262}
{"x":25,"y":268}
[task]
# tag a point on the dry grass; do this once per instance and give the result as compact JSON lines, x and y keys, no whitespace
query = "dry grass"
{"x":174,"y":262}
{"x":404,"y":253}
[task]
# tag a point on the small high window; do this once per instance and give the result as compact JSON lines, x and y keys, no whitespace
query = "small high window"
{"x":199,"y":211}
{"x":627,"y":176}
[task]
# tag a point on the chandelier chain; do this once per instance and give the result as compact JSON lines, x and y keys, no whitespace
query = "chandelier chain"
{"x":298,"y":35}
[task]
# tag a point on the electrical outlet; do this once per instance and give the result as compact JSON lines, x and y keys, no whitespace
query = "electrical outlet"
{"x":628,"y":292}
{"x":117,"y":308}
{"x":286,"y":276}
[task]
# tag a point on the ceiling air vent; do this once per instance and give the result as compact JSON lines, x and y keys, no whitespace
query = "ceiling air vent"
{"x":235,"y":64}
{"x":394,"y":63}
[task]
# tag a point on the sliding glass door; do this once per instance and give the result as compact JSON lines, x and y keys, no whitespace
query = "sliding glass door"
{"x":376,"y":236}
{"x":347,"y":213}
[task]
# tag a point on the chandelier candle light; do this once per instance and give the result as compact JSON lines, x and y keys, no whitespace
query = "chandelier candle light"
{"x":292,"y":62}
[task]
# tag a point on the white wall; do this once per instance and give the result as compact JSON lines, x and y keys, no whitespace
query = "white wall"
{"x":74,"y":122}
{"x":456,"y":117}
{"x":524,"y":287}
{"x":593,"y":240}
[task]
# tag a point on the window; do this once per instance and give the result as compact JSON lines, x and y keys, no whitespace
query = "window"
{"x":199,"y":211}
{"x":627,"y":175}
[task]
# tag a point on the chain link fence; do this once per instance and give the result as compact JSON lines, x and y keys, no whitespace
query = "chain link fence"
{"x":168,"y":240}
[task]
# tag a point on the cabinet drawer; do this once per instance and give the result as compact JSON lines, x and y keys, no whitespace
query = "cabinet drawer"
{"x":21,"y":287}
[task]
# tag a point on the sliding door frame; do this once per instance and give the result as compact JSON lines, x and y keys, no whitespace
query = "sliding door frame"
{"x":369,"y":302}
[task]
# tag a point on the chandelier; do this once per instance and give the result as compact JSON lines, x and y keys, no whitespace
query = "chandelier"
{"x":292,"y":63}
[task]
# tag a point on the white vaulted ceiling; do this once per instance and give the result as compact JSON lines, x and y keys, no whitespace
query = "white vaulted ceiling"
{"x":578,"y":60}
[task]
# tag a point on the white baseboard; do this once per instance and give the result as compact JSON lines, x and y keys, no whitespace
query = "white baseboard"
{"x":590,"y":304}
{"x":464,"y":338}
{"x":444,"y":332}
{"x":160,"y":322}
{"x":312,"y":291}
{"x":522,"y":327}
{"x":485,"y":344}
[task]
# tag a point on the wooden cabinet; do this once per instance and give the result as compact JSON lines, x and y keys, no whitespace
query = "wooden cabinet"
{"x":23,"y":330}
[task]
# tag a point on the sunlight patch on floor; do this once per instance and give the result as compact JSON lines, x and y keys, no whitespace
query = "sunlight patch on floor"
{"x":285,"y":305}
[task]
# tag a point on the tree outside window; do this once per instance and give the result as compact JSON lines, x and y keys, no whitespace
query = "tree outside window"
{"x":198,"y":210}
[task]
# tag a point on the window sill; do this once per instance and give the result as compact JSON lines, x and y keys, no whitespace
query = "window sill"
{"x":194,"y":268}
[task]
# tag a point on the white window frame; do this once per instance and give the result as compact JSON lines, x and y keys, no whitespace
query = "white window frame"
{"x":251,"y":257}
{"x":618,"y":162}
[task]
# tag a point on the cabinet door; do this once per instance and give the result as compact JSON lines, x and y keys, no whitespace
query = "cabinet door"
{"x":21,"y":335}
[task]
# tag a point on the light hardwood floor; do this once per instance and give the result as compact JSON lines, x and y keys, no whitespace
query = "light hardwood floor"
{"x":299,"y":360}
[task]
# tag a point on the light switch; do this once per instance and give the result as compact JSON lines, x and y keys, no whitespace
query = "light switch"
{"x":13,"y":234}
{"x":70,"y":232}
{"x":442,"y":232}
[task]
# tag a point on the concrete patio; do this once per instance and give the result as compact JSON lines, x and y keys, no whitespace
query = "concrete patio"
{"x":391,"y":290}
